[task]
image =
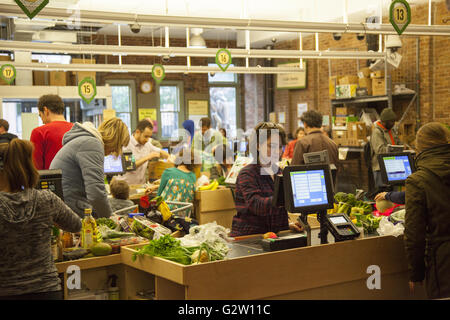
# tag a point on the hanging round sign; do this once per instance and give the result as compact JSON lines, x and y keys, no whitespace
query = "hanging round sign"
{"x":8,"y":73}
{"x":87,"y":89}
{"x":31,"y":7}
{"x":400,"y":15}
{"x":158,"y":73}
{"x":223,"y":59}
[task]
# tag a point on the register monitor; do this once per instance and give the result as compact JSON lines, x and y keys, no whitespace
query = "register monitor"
{"x":129,"y":160}
{"x":114,"y":165}
{"x":51,"y":180}
{"x":396,"y":167}
{"x":307,"y":188}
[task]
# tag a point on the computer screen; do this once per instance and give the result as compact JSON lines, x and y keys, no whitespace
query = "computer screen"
{"x":113,"y":165}
{"x":308,"y":188}
{"x":338,"y":220}
{"x":395,"y":168}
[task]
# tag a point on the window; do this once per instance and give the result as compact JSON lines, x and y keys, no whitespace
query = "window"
{"x":121,"y":102}
{"x":169,"y":99}
{"x":221,"y":76}
{"x":223,"y":109}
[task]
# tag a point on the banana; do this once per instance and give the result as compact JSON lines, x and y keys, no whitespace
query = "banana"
{"x":212,"y":186}
{"x":165,"y":211}
{"x":215,"y":184}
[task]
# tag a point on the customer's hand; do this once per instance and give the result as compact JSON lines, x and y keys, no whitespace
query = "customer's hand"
{"x":296,"y":227}
{"x":153,"y":155}
{"x":150,"y":189}
{"x":380,"y":196}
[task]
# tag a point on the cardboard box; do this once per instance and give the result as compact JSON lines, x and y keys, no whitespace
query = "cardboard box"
{"x":357,"y":131}
{"x":377,"y":74}
{"x":80,"y":75}
{"x":366,"y":83}
{"x":58,"y":78}
{"x":378,"y":87}
{"x":156,"y":169}
{"x":345,"y":111}
{"x":348,"y":79}
{"x":346,"y":91}
{"x":332,"y":87}
{"x":215,"y":205}
{"x":40,"y":78}
{"x":364,"y":73}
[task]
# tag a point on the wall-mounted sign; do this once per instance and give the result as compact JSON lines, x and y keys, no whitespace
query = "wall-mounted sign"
{"x":149,"y":113}
{"x":198,"y":107}
{"x":8,"y":73}
{"x":281,"y":117}
{"x":87,"y":89}
{"x":295,"y":80}
{"x":158,"y":73}
{"x":223,"y":59}
{"x":31,"y":7}
{"x":400,"y":15}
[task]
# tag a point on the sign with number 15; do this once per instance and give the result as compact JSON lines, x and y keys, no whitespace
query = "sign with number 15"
{"x":87,"y":89}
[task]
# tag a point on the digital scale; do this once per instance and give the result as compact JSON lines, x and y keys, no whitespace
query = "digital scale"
{"x":285,"y":242}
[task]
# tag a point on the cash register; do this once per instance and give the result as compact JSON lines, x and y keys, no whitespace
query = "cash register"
{"x":395,"y":167}
{"x":51,"y":180}
{"x":114,"y":166}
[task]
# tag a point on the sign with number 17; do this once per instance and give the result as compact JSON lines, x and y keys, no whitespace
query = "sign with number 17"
{"x":87,"y":89}
{"x":8,"y":73}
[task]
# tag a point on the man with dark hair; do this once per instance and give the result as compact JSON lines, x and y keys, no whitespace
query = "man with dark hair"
{"x":315,"y":140}
{"x":143,"y":151}
{"x":381,"y":137}
{"x":5,"y":136}
{"x":47,"y":139}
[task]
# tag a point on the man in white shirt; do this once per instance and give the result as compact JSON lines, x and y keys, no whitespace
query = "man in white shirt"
{"x":143,"y":151}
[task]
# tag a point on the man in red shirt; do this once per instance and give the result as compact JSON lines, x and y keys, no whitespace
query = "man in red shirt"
{"x":47,"y":139}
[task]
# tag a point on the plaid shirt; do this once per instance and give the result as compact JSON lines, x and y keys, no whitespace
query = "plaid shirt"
{"x":255,"y":213}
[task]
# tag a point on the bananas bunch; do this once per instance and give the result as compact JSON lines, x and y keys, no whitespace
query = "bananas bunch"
{"x":163,"y":208}
{"x":212,"y":186}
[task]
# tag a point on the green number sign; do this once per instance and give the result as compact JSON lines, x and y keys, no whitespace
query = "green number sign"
{"x":223,"y":59}
{"x":31,"y":7}
{"x":8,"y":73}
{"x":158,"y":73}
{"x":87,"y":89}
{"x":400,"y":15}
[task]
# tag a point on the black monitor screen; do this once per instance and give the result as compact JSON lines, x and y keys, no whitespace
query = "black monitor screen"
{"x":395,"y":168}
{"x":308,"y":188}
{"x":113,"y":165}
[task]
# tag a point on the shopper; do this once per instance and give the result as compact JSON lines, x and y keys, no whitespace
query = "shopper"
{"x":382,"y":136}
{"x":47,"y":139}
{"x":204,"y":141}
{"x":27,"y":215}
{"x":289,"y":151}
{"x":427,"y":218}
{"x":255,"y":186}
{"x":82,"y":160}
{"x":120,"y":190}
{"x":143,"y":151}
{"x":5,"y":136}
{"x":314,"y":140}
{"x":189,"y":126}
{"x":178,"y":183}
{"x":223,"y":132}
{"x":224,"y":157}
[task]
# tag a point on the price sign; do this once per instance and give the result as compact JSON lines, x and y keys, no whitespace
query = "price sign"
{"x":8,"y":73}
{"x":158,"y":73}
{"x":31,"y":7}
{"x":223,"y":59}
{"x":87,"y":89}
{"x":400,"y":15}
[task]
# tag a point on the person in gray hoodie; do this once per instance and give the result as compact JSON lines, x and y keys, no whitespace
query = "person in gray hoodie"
{"x":81,"y":160}
{"x":27,"y":215}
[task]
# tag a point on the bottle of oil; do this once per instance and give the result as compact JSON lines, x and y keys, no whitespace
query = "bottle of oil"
{"x":89,"y":232}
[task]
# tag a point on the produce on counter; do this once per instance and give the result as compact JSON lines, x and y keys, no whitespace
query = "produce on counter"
{"x":369,"y":222}
{"x":108,"y":233}
{"x":212,"y":186}
{"x":101,"y":249}
{"x":348,"y":204}
{"x":269,"y":235}
{"x":383,"y":205}
{"x":221,"y":181}
{"x":148,"y":229}
{"x":107,"y":222}
{"x":75,"y":253}
{"x":397,"y":216}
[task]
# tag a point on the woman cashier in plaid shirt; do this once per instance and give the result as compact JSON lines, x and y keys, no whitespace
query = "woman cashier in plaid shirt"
{"x":255,"y":185}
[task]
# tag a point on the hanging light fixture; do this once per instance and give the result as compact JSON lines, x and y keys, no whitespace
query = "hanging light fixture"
{"x":197,"y":40}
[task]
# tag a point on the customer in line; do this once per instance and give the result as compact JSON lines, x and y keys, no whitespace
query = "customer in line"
{"x":427,"y":217}
{"x":27,"y":215}
{"x":143,"y":151}
{"x":224,"y":157}
{"x":120,"y":191}
{"x":382,"y":136}
{"x":47,"y":139}
{"x":314,"y":139}
{"x":255,"y":186}
{"x":289,"y":151}
{"x":5,"y":136}
{"x":82,"y":160}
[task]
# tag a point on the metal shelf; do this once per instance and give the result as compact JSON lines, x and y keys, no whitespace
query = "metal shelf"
{"x":360,"y":100}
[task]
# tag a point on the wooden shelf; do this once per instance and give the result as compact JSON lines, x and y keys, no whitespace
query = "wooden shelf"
{"x":89,"y":263}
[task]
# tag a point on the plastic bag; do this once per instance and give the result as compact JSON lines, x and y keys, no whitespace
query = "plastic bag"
{"x":203,"y":180}
{"x":209,"y":232}
{"x":387,"y":228}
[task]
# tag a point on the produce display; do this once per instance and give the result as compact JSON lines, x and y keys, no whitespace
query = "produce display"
{"x":148,"y":229}
{"x":107,"y":222}
{"x":212,"y":186}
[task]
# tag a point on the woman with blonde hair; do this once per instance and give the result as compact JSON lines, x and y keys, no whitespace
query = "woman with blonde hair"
{"x":27,"y":215}
{"x":81,"y":160}
{"x":427,"y":217}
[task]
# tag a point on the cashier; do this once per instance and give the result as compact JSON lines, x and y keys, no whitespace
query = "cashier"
{"x":143,"y":151}
{"x":255,"y":186}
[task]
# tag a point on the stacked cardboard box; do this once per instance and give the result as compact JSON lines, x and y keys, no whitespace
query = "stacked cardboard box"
{"x":356,"y":133}
{"x":80,"y":75}
{"x":378,"y":83}
{"x":364,"y":80}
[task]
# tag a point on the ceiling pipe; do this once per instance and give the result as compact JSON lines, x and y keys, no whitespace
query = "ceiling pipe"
{"x":183,"y":52}
{"x":12,"y":10}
